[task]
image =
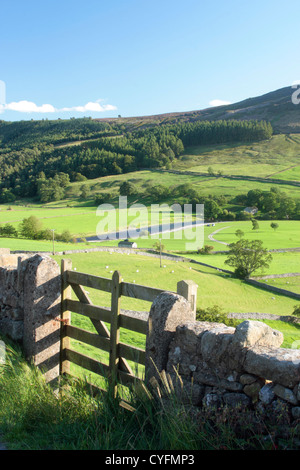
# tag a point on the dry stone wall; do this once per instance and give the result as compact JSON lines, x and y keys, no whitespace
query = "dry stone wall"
{"x":215,"y":365}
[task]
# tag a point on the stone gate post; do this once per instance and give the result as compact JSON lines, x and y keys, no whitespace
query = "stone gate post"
{"x":167,"y":312}
{"x":40,"y":276}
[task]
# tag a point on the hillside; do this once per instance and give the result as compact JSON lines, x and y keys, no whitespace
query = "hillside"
{"x":220,"y":148}
{"x":33,"y":161}
{"x":275,"y":107}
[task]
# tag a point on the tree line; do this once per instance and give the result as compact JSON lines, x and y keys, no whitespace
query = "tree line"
{"x":273,"y":204}
{"x":216,"y":132}
{"x":29,"y":134}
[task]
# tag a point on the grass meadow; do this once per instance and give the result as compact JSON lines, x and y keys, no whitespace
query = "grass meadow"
{"x":276,"y":158}
{"x":84,"y":222}
{"x":263,"y":159}
{"x":287,"y":235}
{"x":281,"y":263}
{"x":292,"y":283}
{"x":214,"y":288}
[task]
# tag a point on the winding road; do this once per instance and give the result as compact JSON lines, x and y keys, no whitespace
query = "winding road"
{"x":211,"y":236}
{"x":152,"y":230}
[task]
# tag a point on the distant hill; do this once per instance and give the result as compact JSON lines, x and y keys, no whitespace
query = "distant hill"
{"x":275,"y":107}
{"x":34,"y":153}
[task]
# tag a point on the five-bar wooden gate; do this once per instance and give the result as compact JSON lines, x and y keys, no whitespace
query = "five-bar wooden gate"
{"x":118,"y":369}
{"x":106,"y":339}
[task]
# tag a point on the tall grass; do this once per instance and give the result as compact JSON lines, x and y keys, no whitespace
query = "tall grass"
{"x":33,"y":416}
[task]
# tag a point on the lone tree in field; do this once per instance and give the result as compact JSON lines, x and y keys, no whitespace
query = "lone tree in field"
{"x":239,"y":233}
{"x":248,"y":256}
{"x":274,"y":226}
{"x":255,"y":225}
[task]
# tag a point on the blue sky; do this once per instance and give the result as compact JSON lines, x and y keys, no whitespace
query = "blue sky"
{"x":135,"y":57}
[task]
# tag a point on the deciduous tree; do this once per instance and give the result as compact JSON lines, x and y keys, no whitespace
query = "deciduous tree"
{"x":247,"y":257}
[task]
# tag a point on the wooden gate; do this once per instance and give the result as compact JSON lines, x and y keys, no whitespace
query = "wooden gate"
{"x":118,"y":370}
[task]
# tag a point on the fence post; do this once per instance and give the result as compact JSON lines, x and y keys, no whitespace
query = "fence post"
{"x":66,"y":265}
{"x":188,"y":290}
{"x":115,"y":330}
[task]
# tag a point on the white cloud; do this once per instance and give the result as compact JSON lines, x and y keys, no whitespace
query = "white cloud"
{"x":219,"y":102}
{"x":30,"y":107}
{"x":91,"y":106}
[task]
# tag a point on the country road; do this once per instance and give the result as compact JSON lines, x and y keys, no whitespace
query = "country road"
{"x":152,"y":230}
{"x":211,"y":236}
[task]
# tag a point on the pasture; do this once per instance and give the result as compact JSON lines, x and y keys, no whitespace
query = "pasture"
{"x":205,"y":185}
{"x":276,"y":158}
{"x":291,"y":283}
{"x":214,"y":288}
{"x":287,"y":262}
{"x":287,"y":235}
{"x":83,"y":222}
{"x":264,"y":159}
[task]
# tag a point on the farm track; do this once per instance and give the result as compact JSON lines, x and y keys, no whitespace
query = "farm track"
{"x":211,"y":236}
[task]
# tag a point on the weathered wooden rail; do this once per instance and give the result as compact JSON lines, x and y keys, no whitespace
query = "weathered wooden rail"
{"x":118,"y":370}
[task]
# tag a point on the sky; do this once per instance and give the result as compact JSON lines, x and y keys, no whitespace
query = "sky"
{"x":70,"y":58}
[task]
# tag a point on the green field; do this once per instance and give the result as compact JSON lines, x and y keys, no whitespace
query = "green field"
{"x":258,"y":159}
{"x":291,"y":174}
{"x":276,"y":158}
{"x":17,"y":244}
{"x":214,"y":288}
{"x":291,"y":283}
{"x":84,"y":221}
{"x":281,"y":263}
{"x":204,"y":184}
{"x":287,"y":235}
